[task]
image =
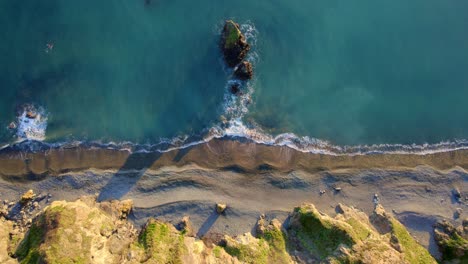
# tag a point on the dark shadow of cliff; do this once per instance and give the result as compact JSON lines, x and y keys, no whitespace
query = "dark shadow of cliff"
{"x":128,"y":175}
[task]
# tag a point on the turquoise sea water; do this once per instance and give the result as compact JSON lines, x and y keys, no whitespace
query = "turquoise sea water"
{"x":350,"y":72}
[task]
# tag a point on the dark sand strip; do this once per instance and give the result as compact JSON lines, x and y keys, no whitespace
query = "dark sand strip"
{"x":216,"y":154}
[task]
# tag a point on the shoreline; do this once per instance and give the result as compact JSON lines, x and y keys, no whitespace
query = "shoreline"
{"x":36,"y":159}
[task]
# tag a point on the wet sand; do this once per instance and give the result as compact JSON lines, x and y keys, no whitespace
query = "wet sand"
{"x":244,"y":156}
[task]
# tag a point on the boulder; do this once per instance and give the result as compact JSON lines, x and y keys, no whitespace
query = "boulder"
{"x":27,"y":196}
{"x":220,"y":208}
{"x":233,"y":44}
{"x":244,"y":71}
{"x":185,"y":226}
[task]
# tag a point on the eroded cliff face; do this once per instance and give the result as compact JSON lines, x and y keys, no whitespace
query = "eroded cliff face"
{"x":85,"y":231}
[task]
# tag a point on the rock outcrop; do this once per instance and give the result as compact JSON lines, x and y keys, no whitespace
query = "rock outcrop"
{"x":244,"y":71}
{"x":452,"y":242}
{"x":233,"y":44}
{"x":350,"y":238}
{"x":85,"y":231}
{"x":75,"y":232}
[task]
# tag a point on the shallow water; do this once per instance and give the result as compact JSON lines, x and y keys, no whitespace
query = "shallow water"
{"x":351,"y":73}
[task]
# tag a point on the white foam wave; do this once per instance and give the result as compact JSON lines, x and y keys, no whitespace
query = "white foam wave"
{"x":32,"y":128}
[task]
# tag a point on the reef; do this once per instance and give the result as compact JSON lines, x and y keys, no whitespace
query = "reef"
{"x":86,"y":231}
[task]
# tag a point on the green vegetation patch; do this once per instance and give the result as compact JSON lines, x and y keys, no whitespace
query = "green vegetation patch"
{"x":360,"y":230}
{"x":451,"y":248}
{"x":278,"y":248}
{"x":249,"y":253}
{"x":232,"y":35}
{"x":162,"y":243}
{"x":28,"y":249}
{"x":321,"y":236}
{"x":414,"y":252}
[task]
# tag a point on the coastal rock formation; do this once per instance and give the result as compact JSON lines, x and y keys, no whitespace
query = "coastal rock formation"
{"x":350,"y":238}
{"x":85,"y":231}
{"x":452,"y":242}
{"x":6,"y":228}
{"x":244,"y":71}
{"x":233,"y":44}
{"x":75,"y":232}
{"x":27,"y":196}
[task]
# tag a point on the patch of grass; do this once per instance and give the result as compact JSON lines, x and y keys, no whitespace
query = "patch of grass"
{"x":162,"y":244}
{"x":454,"y":244}
{"x":232,"y":35}
{"x":28,"y":249}
{"x":320,"y":236}
{"x":361,"y":231}
{"x":277,"y":241}
{"x":217,"y":251}
{"x":250,"y":253}
{"x":414,"y":252}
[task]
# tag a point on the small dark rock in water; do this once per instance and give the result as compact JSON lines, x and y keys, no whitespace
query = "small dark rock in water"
{"x":244,"y":71}
{"x":235,"y":89}
{"x":31,"y":115}
{"x":233,"y":44}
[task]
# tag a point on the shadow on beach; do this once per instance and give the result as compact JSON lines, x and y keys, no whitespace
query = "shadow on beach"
{"x":128,"y":175}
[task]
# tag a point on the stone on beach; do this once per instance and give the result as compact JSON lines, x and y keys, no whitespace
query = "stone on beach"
{"x":27,"y":196}
{"x":220,"y":208}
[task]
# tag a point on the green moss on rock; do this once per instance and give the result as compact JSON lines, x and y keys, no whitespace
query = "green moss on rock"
{"x":232,"y":34}
{"x":28,"y":249}
{"x":319,"y":234}
{"x":248,"y":249}
{"x":413,"y":252}
{"x":162,"y":243}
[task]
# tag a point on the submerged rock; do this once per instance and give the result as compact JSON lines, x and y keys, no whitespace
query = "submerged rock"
{"x":235,"y":89}
{"x":233,"y":44}
{"x":244,"y":71}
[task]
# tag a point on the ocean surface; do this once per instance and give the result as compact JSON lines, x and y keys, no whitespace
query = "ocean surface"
{"x":345,"y":72}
